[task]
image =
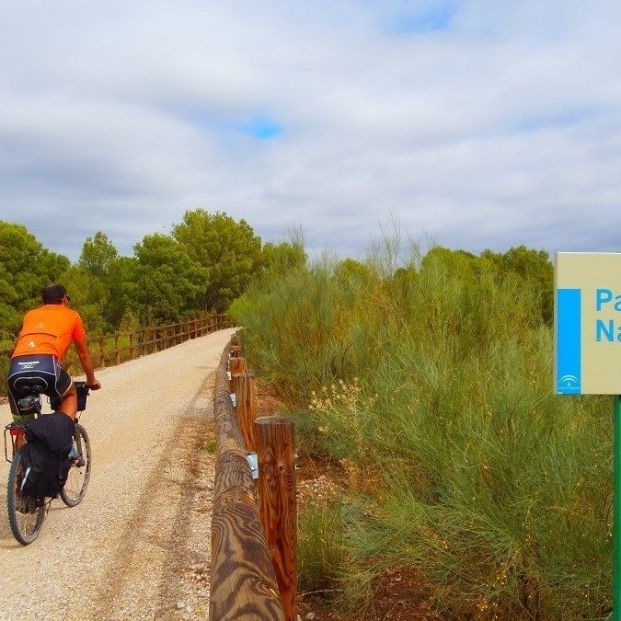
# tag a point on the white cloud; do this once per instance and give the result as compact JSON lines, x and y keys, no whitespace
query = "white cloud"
{"x":500,"y":128}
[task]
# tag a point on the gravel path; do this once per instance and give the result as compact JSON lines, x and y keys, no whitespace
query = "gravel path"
{"x":137,"y":547}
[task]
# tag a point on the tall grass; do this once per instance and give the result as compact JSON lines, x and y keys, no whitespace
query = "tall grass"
{"x":435,"y":385}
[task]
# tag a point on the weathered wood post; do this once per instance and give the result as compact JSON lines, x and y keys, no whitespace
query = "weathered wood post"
{"x":131,"y":346}
{"x":237,"y":365}
{"x":274,"y":439}
{"x":102,"y":352}
{"x":117,"y":351}
{"x":245,"y":406}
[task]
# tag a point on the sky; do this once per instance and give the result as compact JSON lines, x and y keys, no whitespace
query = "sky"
{"x":476,"y":124}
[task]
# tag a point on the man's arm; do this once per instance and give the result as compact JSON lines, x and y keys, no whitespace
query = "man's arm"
{"x":81,"y":346}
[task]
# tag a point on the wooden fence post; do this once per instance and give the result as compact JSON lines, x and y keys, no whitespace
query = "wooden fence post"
{"x":117,"y":351}
{"x":237,"y":365}
{"x":131,"y":345}
{"x":274,"y":437}
{"x":245,"y":406}
{"x":102,"y":352}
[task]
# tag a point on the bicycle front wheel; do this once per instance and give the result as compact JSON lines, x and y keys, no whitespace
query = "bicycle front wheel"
{"x":25,"y":515}
{"x":80,"y":471}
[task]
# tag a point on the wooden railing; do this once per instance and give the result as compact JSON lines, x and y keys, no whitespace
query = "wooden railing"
{"x":243,"y":584}
{"x":253,"y":573}
{"x":112,"y":349}
{"x":116,"y":348}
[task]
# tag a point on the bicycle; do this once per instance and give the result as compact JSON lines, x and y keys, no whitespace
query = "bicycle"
{"x":27,"y":514}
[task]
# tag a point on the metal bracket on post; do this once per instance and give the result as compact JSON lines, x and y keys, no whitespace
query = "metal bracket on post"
{"x":253,"y":462}
{"x":234,"y":399}
{"x":228,"y":375}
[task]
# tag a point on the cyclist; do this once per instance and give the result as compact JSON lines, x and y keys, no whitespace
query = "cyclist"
{"x":47,"y":332}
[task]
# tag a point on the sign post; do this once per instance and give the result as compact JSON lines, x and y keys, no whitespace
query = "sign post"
{"x":616,"y":534}
{"x":587,"y":354}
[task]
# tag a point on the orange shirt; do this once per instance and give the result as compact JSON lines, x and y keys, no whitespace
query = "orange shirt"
{"x":49,"y":329}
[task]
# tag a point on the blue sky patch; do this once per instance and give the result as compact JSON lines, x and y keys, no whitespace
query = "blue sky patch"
{"x":261,"y":128}
{"x":538,"y":122}
{"x":430,"y":19}
{"x":257,"y":127}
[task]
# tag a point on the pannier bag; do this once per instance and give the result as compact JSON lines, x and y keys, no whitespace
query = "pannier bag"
{"x":45,"y":455}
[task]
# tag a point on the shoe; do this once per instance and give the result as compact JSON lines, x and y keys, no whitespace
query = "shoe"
{"x":73,"y":453}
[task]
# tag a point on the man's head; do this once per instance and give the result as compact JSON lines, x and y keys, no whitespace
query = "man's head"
{"x":54,"y":294}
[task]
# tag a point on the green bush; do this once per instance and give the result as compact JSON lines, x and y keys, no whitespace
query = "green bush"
{"x":435,"y":380}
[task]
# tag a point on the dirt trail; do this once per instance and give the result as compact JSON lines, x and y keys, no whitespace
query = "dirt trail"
{"x":137,"y":547}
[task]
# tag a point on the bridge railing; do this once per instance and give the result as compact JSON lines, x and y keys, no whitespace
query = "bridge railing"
{"x":112,"y":349}
{"x":253,"y":573}
{"x":243,"y":583}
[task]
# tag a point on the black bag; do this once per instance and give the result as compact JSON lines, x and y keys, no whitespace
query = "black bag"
{"x":45,"y":455}
{"x":44,"y":472}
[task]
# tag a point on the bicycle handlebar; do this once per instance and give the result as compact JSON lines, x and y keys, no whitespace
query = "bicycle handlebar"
{"x":83,"y":385}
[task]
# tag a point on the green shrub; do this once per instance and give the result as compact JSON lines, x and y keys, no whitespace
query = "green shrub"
{"x":435,"y":382}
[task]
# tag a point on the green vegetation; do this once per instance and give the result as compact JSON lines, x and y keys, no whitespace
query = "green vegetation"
{"x":25,"y":268}
{"x":207,"y":261}
{"x":431,"y":385}
{"x":321,"y":548}
{"x":429,"y":382}
{"x":229,"y":251}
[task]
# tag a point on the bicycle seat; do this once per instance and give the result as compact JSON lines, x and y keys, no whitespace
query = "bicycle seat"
{"x":26,"y":387}
{"x":28,"y":391}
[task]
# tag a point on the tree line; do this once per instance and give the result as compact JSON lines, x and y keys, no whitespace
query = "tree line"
{"x":207,"y":261}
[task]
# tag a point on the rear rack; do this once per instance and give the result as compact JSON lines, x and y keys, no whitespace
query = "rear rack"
{"x":13,"y":431}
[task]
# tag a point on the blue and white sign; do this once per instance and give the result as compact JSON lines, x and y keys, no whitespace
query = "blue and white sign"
{"x":587,"y":326}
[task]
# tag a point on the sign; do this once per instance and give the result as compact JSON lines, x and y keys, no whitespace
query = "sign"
{"x":587,"y":331}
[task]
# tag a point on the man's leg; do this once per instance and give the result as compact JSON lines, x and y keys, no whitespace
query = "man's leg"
{"x":69,"y":402}
{"x":66,"y":390}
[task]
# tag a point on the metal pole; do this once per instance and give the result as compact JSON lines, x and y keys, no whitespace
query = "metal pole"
{"x":616,"y":516}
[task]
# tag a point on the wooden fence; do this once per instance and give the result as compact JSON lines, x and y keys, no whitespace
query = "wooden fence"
{"x":253,"y":573}
{"x":116,"y":348}
{"x":111,"y":349}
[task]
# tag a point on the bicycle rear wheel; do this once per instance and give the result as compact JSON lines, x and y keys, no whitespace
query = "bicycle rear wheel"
{"x":25,"y":517}
{"x":80,"y":471}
